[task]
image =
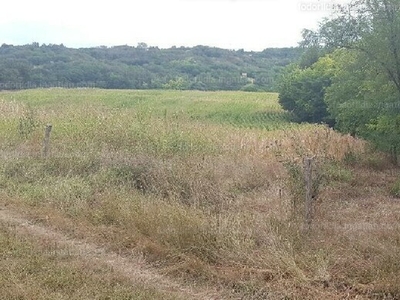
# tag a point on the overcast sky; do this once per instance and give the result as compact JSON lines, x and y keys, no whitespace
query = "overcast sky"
{"x":230,"y":24}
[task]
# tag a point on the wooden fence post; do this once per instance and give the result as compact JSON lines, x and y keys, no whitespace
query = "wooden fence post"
{"x":46,"y":142}
{"x":308,"y":162}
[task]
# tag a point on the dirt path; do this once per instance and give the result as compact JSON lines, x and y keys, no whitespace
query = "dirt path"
{"x":134,"y":269}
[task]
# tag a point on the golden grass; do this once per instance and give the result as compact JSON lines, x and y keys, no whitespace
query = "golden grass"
{"x":210,"y":203}
{"x":41,"y":269}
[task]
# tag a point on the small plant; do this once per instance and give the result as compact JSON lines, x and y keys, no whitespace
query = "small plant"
{"x":334,"y":171}
{"x":296,"y":182}
{"x":351,"y":158}
{"x":395,"y":189}
{"x":27,"y":122}
{"x":134,"y":176}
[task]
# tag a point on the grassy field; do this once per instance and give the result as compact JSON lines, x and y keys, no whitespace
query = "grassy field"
{"x":206,"y":186}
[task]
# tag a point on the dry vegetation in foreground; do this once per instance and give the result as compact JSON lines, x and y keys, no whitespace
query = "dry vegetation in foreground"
{"x":202,"y":198}
{"x":32,"y":268}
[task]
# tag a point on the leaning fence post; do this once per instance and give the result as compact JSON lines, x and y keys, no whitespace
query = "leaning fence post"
{"x":308,"y":161}
{"x":46,"y":142}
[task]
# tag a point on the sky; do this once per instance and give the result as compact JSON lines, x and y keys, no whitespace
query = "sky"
{"x":252,"y":25}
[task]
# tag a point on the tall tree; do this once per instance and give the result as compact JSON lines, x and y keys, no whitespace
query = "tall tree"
{"x":365,"y":94}
{"x":370,"y":27}
{"x":302,"y":91}
{"x":362,"y":93}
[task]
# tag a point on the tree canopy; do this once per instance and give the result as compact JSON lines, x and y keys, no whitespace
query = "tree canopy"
{"x":361,"y":91}
{"x":142,"y":67}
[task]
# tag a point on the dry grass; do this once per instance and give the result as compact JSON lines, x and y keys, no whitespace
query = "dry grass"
{"x":41,"y":269}
{"x":206,"y":202}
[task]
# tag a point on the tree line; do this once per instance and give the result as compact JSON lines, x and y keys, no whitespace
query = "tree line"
{"x":349,"y":75}
{"x":142,"y":67}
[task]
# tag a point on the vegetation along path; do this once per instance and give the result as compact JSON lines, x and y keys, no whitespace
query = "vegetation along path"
{"x":133,"y":268}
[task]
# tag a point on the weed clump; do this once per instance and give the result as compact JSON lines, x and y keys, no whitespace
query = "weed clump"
{"x":395,"y":189}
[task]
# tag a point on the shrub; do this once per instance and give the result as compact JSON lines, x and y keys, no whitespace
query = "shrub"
{"x":395,"y":189}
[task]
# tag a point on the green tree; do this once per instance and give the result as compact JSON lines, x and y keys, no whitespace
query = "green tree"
{"x":363,"y":100}
{"x":364,"y":97}
{"x":302,"y":91}
{"x":178,"y":83}
{"x":357,"y":80}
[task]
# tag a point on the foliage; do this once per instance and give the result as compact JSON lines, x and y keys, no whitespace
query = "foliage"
{"x":355,"y":82}
{"x":176,"y":84}
{"x":302,"y":91}
{"x":141,"y":67}
{"x":365,"y":92}
{"x":27,"y":122}
{"x":395,"y":189}
{"x":250,"y":87}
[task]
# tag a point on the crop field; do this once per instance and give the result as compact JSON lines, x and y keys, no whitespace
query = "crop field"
{"x":204,"y":190}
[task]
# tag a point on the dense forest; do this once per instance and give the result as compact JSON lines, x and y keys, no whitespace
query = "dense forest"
{"x":142,"y":67}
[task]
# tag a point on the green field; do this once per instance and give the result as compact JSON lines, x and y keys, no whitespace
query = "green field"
{"x":206,"y":186}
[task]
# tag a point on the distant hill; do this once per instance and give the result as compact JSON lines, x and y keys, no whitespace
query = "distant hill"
{"x":142,"y":67}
